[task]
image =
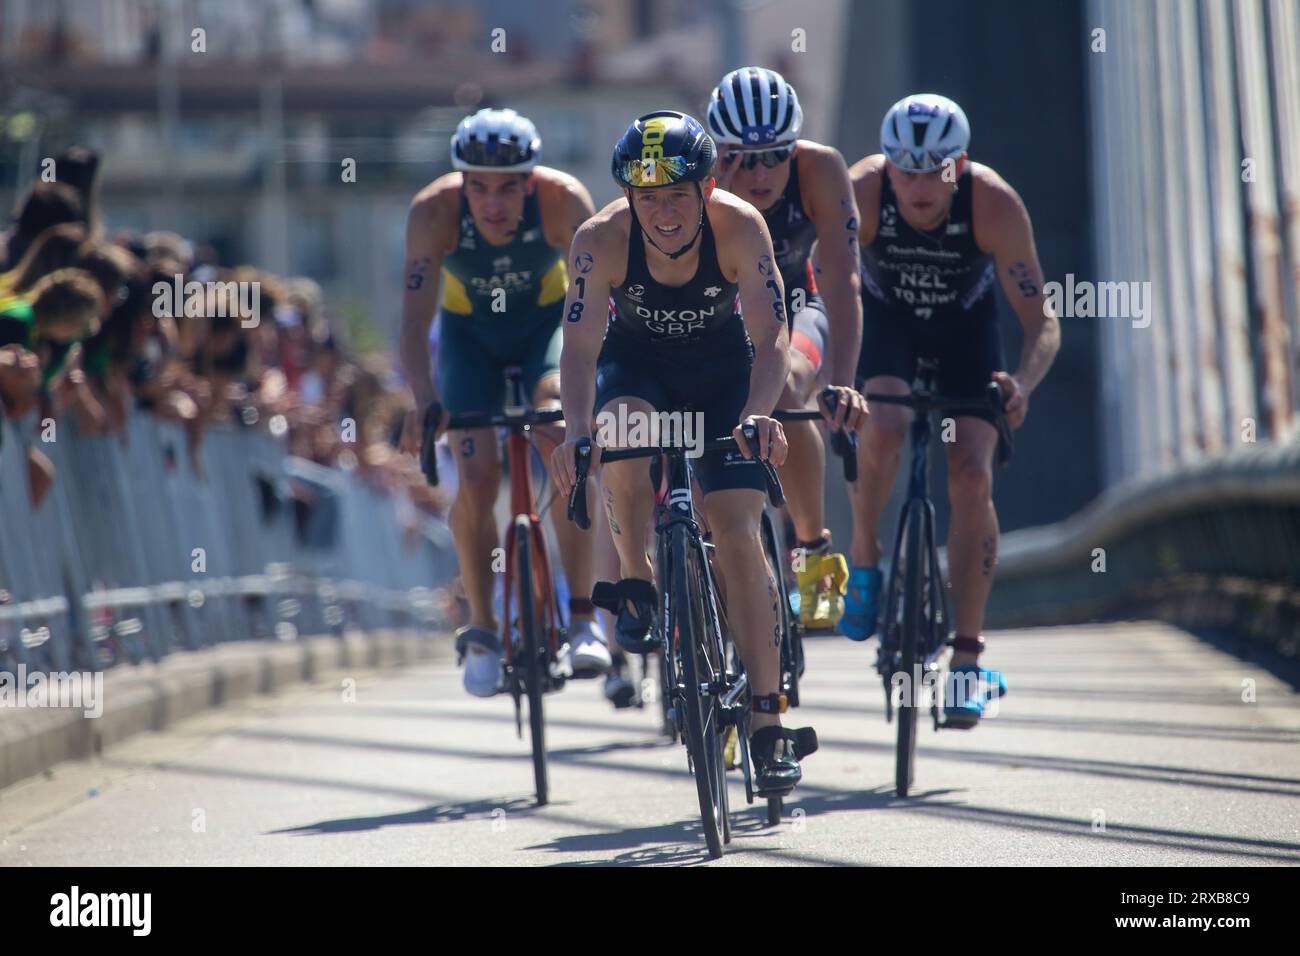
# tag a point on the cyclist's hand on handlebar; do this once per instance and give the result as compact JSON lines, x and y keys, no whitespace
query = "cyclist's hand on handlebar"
{"x":771,"y":439}
{"x":564,"y":468}
{"x":1015,"y":398}
{"x":850,"y":408}
{"x":412,"y":440}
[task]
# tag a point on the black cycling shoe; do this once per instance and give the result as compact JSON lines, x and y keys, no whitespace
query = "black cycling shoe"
{"x":619,"y":691}
{"x":776,"y":776}
{"x":635,"y":629}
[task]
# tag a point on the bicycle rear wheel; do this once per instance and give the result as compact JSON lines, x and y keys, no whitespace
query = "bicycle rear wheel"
{"x":702,"y":665}
{"x":914,"y":571}
{"x":534,"y":654}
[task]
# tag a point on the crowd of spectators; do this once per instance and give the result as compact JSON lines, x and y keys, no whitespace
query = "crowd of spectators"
{"x":84,"y":338}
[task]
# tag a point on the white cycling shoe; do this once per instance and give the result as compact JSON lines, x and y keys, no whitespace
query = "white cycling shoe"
{"x":484,"y":664}
{"x":588,"y":652}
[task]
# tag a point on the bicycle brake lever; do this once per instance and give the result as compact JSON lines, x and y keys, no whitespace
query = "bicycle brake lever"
{"x":843,"y":442}
{"x":578,"y":496}
{"x":428,"y":448}
{"x":775,"y":493}
{"x":999,"y":406}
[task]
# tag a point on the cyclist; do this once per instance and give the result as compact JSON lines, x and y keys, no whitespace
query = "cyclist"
{"x":485,"y":250}
{"x":667,"y":268}
{"x":803,"y":190}
{"x":937,"y":231}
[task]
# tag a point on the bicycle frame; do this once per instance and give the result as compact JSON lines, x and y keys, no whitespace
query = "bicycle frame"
{"x":678,"y":508}
{"x":924,"y":400}
{"x":919,"y":502}
{"x":521,"y":503}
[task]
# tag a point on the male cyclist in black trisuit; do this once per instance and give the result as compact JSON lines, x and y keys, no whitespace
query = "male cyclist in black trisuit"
{"x":653,"y":324}
{"x":938,"y":232}
{"x":803,"y":190}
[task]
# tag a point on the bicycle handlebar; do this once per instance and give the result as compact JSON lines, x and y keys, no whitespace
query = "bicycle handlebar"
{"x":992,"y":401}
{"x":582,"y":459}
{"x":506,"y":419}
{"x":843,"y":442}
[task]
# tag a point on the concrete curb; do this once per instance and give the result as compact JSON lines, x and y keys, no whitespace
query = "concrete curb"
{"x":155,"y":696}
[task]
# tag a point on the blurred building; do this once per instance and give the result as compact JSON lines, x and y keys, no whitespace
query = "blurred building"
{"x":237,"y":137}
{"x":1131,"y":158}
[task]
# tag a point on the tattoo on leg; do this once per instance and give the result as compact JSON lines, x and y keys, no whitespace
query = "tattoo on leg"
{"x":467,"y":447}
{"x":990,"y":554}
{"x":776,"y":609}
{"x":609,"y":510}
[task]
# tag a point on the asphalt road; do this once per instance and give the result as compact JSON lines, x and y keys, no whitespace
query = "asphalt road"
{"x":1124,"y":744}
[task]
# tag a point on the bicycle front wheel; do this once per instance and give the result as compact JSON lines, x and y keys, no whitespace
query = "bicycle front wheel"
{"x":702,"y":664}
{"x":534,"y":655}
{"x":914,"y":570}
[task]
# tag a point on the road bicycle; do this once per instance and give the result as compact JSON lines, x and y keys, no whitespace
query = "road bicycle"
{"x":915,"y":630}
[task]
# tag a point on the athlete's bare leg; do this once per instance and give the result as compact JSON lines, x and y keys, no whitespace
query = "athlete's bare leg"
{"x":803,"y":476}
{"x":973,"y":535}
{"x":473,"y":524}
{"x":878,"y":455}
{"x":753,"y":609}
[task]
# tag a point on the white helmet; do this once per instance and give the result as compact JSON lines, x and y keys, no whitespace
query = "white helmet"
{"x":498,"y":141}
{"x":756,"y":108}
{"x":922,"y":130}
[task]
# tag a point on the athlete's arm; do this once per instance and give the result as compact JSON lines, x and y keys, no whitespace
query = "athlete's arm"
{"x":835,"y":213}
{"x":1002,"y":227}
{"x":565,"y":205}
{"x":592,"y":262}
{"x":746,"y":257}
{"x":866,"y":175}
{"x":427,"y":228}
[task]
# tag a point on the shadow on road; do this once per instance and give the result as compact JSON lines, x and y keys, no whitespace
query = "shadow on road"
{"x":438,"y":813}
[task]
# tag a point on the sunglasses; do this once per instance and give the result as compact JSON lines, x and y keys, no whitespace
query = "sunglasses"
{"x":770,"y":158}
{"x":653,"y":172}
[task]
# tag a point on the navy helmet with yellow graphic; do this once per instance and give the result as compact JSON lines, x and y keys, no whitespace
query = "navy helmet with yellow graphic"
{"x":662,"y":148}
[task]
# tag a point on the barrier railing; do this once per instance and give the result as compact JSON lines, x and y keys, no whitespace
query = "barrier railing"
{"x":1211,"y":545}
{"x":134,"y":553}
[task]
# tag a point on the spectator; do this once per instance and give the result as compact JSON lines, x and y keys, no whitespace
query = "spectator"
{"x":63,"y":308}
{"x":78,"y":167}
{"x":55,"y":248}
{"x":66,"y":308}
{"x":48,"y":204}
{"x":168,"y":246}
{"x":107,"y":352}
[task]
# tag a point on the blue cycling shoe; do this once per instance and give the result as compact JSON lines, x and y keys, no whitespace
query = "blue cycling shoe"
{"x":963,"y":702}
{"x":861,"y":604}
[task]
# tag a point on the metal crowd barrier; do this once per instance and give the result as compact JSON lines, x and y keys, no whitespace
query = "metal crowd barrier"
{"x":1214,"y":546}
{"x":134,"y":553}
